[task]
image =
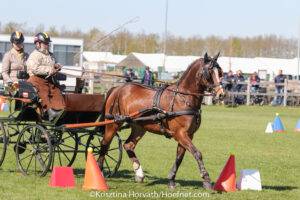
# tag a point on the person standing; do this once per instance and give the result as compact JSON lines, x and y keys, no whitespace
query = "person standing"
{"x":239,"y":87}
{"x":239,"y":79}
{"x":229,"y":80}
{"x":254,"y":82}
{"x":148,"y":78}
{"x":15,"y":59}
{"x":42,"y":67}
{"x":279,"y":88}
{"x":129,"y":75}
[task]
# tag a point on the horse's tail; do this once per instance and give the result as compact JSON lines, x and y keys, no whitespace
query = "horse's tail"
{"x":101,"y":129}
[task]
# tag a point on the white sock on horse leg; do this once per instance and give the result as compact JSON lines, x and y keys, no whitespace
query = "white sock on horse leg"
{"x":138,"y":170}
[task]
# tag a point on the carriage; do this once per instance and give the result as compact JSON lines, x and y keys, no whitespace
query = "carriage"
{"x":39,"y":144}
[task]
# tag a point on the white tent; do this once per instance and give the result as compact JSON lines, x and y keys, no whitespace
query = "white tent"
{"x":104,"y":57}
{"x":180,"y":63}
{"x":100,"y":60}
{"x":249,"y":65}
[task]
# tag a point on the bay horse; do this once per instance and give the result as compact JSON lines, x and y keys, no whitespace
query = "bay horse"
{"x":180,"y":102}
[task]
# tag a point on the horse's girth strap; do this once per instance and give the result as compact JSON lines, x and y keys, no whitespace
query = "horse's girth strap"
{"x":156,"y":99}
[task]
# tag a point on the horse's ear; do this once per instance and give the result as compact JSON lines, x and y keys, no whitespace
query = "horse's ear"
{"x":216,"y":56}
{"x":206,"y":58}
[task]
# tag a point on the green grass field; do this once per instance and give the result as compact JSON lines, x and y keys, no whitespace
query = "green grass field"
{"x":239,"y":131}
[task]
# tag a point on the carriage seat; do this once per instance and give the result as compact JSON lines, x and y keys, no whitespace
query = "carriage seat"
{"x":27,"y":91}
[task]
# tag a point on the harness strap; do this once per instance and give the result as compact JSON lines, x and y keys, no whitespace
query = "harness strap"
{"x":156,"y":100}
{"x":160,"y":116}
{"x":174,"y":95}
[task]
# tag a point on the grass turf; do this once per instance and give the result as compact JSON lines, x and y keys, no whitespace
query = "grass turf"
{"x":239,"y":131}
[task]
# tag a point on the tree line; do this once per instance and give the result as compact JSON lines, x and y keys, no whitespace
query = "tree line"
{"x":124,"y":42}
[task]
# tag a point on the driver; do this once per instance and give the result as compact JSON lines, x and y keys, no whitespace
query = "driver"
{"x":42,"y":67}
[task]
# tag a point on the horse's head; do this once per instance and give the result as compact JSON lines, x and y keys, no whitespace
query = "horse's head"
{"x":211,"y":75}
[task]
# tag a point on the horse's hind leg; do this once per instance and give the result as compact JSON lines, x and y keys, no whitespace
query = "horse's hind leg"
{"x":129,"y":145}
{"x":186,"y":142}
{"x":172,"y":174}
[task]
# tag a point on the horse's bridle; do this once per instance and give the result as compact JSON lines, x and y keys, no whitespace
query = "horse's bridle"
{"x":205,"y":72}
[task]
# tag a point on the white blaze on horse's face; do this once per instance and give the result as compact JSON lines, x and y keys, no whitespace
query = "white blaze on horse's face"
{"x":217,"y":83}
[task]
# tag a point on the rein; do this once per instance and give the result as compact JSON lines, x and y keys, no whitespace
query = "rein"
{"x":190,"y":93}
{"x":197,"y":95}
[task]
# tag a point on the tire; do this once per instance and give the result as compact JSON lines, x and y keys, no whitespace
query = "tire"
{"x":3,"y":142}
{"x":34,"y":151}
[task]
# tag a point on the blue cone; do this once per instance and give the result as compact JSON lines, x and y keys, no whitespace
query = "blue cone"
{"x":277,"y":124}
{"x":297,"y":128}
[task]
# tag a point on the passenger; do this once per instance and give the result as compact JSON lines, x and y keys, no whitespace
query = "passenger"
{"x":14,"y":60}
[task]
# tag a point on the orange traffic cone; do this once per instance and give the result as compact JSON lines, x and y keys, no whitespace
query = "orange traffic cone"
{"x":226,"y":181}
{"x":93,"y":179}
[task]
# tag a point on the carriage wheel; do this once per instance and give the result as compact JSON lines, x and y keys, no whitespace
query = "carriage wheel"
{"x":113,"y":156}
{"x":34,"y":150}
{"x":3,"y":142}
{"x":65,"y":144}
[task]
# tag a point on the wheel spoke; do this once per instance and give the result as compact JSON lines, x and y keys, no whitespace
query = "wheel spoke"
{"x":67,"y":146}
{"x":117,"y":148}
{"x":25,"y":137}
{"x":25,"y":157}
{"x":112,"y":158}
{"x":41,"y":161}
{"x":65,"y":155}
{"x":59,"y":158}
{"x":68,"y":137}
{"x":107,"y":165}
{"x":29,"y":163}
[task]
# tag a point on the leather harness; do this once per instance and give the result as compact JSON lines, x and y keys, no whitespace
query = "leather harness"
{"x":156,"y":113}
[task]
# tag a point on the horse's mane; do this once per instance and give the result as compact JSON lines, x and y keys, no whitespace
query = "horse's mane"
{"x":188,"y":69}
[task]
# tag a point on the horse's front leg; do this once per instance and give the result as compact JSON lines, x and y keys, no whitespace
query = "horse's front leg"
{"x":183,"y":138}
{"x":110,"y":132}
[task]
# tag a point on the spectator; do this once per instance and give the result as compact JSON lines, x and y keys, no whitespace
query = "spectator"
{"x":238,"y":79}
{"x":129,"y":75}
{"x":148,"y":78}
{"x":254,"y":82}
{"x":239,"y":87}
{"x":279,"y":79}
{"x":229,"y":81}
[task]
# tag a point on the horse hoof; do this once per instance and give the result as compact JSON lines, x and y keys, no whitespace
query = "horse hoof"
{"x":207,"y":185}
{"x":139,"y":179}
{"x":172,"y":185}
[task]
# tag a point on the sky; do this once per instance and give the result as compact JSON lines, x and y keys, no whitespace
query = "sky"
{"x":185,"y":17}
